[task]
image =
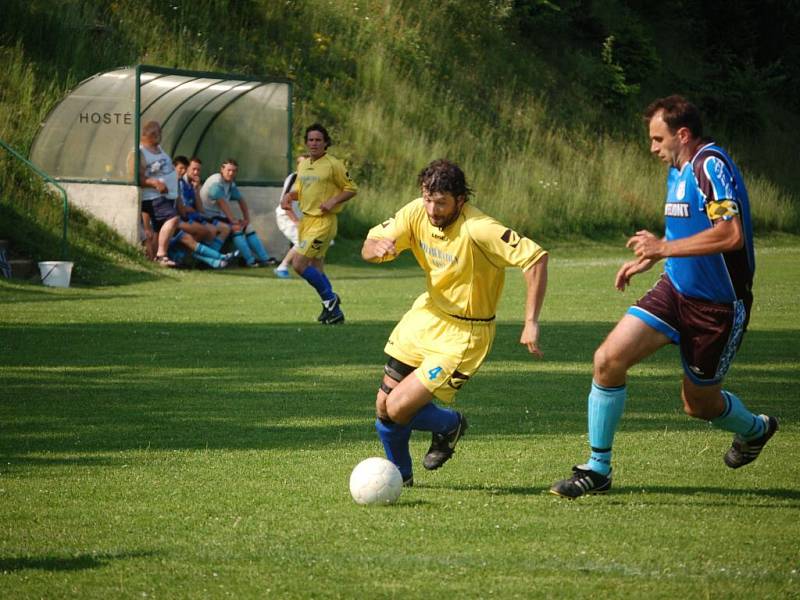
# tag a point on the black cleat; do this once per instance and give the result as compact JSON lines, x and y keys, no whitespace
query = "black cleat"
{"x":334,"y":318}
{"x":443,"y":445}
{"x":583,"y":481}
{"x":327,"y":310}
{"x":743,"y":452}
{"x":332,"y":313}
{"x":408,"y":482}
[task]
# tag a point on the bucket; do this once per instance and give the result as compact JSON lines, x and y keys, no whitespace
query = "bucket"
{"x":55,"y":273}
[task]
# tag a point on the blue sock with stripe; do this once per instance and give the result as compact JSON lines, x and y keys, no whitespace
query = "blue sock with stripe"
{"x":435,"y":418}
{"x":394,"y":438}
{"x":208,"y":251}
{"x":214,"y":263}
{"x":736,"y":418}
{"x":217,"y":243}
{"x":605,"y":411}
{"x":319,"y":282}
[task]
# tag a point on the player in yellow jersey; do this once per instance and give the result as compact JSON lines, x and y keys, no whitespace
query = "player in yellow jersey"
{"x":321,"y":189}
{"x":442,"y":341}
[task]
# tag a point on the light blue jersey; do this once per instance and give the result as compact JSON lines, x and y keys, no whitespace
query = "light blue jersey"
{"x":707,"y":188}
{"x":214,"y":189}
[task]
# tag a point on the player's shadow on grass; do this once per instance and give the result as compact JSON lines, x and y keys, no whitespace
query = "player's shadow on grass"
{"x":487,"y":489}
{"x":404,"y":503}
{"x":66,"y":563}
{"x":35,"y":294}
{"x":67,"y":461}
{"x":624,"y":494}
{"x":701,"y":490}
{"x":85,"y":388}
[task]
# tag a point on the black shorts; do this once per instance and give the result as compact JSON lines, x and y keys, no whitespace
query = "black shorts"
{"x":160,"y":209}
{"x":708,"y":333}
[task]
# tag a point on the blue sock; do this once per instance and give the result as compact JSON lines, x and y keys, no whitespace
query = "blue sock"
{"x":605,"y":410}
{"x":395,"y":438}
{"x":434,"y":418}
{"x":203,"y":250}
{"x":243,"y":248}
{"x":319,"y":282}
{"x":216,"y":243}
{"x":214,"y":263}
{"x":256,"y":246}
{"x":738,"y":419}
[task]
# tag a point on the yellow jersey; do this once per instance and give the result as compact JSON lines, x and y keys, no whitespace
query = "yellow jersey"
{"x":319,"y":180}
{"x":465,"y":262}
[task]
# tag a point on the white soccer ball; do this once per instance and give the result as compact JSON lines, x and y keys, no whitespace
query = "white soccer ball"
{"x":375,"y":481}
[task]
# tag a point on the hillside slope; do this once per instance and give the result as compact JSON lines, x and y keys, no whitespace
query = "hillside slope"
{"x":538,"y":100}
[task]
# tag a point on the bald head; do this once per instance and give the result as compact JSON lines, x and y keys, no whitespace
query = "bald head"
{"x":151,"y":127}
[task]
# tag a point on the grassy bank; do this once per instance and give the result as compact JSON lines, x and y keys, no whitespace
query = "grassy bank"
{"x":538,"y":101}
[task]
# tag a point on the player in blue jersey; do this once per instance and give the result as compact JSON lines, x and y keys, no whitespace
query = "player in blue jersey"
{"x":192,"y":220}
{"x":701,"y":302}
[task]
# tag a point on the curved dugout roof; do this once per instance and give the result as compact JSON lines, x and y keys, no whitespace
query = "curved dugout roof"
{"x":92,"y":134}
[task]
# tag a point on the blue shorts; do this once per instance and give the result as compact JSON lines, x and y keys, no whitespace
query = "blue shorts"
{"x":195,"y":217}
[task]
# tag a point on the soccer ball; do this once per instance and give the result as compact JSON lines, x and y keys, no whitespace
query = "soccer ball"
{"x":375,"y":481}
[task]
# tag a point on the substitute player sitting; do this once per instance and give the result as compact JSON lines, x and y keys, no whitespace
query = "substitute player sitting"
{"x":217,"y":195}
{"x":190,"y":206}
{"x":442,"y":341}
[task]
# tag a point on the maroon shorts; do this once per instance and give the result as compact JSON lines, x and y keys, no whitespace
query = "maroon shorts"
{"x":708,"y":334}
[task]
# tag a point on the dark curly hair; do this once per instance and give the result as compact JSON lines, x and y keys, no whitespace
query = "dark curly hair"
{"x":444,"y":176}
{"x":677,"y":112}
{"x":322,"y":130}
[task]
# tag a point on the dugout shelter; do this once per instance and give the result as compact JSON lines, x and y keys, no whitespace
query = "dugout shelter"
{"x":89,"y":141}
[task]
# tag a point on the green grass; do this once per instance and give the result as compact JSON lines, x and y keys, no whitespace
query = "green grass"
{"x":192,"y":437}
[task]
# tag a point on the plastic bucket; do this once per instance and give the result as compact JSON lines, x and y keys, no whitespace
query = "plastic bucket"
{"x":55,"y":273}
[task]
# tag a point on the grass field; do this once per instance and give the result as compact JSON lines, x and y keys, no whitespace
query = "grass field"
{"x":192,"y":437}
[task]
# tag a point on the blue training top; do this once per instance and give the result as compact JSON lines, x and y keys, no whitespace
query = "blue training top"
{"x":706,"y":182}
{"x":187,"y":193}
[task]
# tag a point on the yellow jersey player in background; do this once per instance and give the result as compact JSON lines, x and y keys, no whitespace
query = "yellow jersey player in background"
{"x":321,"y":189}
{"x":442,"y":341}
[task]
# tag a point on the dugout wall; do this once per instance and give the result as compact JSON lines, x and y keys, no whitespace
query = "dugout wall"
{"x":89,"y":141}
